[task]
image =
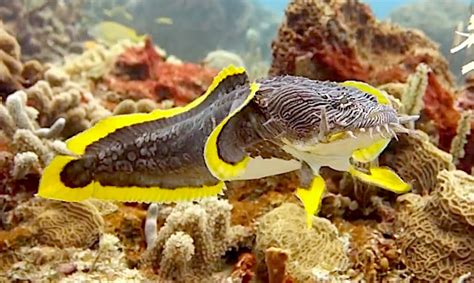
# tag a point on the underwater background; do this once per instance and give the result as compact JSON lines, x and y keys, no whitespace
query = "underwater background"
{"x":67,"y":65}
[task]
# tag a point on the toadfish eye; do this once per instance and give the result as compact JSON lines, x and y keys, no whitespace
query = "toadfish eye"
{"x":344,"y":102}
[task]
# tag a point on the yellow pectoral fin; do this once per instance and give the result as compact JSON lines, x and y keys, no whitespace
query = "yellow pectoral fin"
{"x":382,"y":177}
{"x":311,"y":198}
{"x":371,"y":152}
{"x":382,"y":98}
{"x":219,"y":168}
{"x":52,"y":187}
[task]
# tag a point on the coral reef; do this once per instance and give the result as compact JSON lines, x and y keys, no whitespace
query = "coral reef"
{"x":193,"y":240}
{"x":309,"y":250}
{"x":436,"y":232}
{"x":143,"y":73}
{"x":45,"y":31}
{"x":423,"y":14}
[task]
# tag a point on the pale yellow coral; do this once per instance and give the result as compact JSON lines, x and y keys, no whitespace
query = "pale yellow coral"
{"x":436,"y":231}
{"x":321,"y":247}
{"x":69,"y":224}
{"x":460,"y":140}
{"x":207,"y":223}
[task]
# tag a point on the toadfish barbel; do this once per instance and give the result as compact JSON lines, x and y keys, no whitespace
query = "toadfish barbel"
{"x":237,"y":130}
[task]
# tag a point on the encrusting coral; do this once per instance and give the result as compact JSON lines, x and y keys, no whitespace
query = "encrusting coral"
{"x":436,"y":232}
{"x":193,"y":240}
{"x":320,"y":248}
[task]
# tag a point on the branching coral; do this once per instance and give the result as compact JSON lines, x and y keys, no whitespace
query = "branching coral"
{"x":59,"y":97}
{"x":320,"y":247}
{"x":194,"y":238}
{"x":29,"y":142}
{"x":10,"y":64}
{"x":436,"y":232}
{"x":460,"y":140}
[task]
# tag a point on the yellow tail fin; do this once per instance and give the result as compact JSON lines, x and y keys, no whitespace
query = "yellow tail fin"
{"x":52,"y":187}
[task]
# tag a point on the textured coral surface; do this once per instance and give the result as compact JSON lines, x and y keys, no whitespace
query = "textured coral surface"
{"x":436,"y":232}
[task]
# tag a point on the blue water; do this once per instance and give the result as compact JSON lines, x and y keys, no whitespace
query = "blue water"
{"x":381,"y":8}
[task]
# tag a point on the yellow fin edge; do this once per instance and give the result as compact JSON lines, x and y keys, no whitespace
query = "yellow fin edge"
{"x":51,"y":187}
{"x":218,"y":167}
{"x":79,"y":142}
{"x":311,"y":198}
{"x":382,"y":177}
{"x":370,"y":153}
{"x":382,"y":98}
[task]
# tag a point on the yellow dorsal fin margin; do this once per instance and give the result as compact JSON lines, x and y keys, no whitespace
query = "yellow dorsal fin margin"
{"x":219,"y":168}
{"x":79,"y":143}
{"x":382,"y":98}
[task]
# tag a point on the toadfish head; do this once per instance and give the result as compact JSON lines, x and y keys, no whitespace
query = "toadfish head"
{"x":307,"y":112}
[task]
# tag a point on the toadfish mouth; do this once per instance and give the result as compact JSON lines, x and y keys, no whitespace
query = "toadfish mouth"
{"x":387,"y":127}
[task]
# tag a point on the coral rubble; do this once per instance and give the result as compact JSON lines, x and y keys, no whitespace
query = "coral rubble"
{"x":436,"y":232}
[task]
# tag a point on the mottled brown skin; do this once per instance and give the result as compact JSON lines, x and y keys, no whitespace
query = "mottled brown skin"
{"x":168,"y":153}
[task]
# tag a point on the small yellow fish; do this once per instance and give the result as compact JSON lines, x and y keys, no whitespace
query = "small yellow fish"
{"x":118,"y":11}
{"x":164,"y":21}
{"x":109,"y":33}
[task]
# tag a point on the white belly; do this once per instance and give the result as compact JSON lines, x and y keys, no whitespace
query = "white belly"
{"x":259,"y":168}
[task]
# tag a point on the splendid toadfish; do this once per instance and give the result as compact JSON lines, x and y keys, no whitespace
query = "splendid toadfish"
{"x":237,"y":130}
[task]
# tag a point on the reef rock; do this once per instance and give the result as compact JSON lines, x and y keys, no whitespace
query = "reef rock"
{"x":436,"y":232}
{"x":143,"y":73}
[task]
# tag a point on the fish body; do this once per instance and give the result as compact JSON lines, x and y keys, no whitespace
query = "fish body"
{"x":109,"y":33}
{"x":237,"y":130}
